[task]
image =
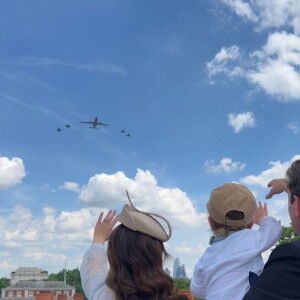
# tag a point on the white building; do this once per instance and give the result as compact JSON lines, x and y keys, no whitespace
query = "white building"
{"x":22,"y":274}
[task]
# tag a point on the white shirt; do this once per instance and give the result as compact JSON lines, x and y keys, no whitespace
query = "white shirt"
{"x":222,"y":273}
{"x":93,"y":271}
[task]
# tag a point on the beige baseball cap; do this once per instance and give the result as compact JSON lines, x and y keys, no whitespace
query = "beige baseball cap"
{"x":231,"y":197}
{"x":144,"y":222}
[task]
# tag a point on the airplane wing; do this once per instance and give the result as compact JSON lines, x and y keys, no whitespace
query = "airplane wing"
{"x":102,"y":124}
{"x":88,"y":122}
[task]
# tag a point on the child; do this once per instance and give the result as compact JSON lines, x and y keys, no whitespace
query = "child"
{"x":233,"y":261}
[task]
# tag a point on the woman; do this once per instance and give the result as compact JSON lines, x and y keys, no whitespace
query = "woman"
{"x":135,"y":253}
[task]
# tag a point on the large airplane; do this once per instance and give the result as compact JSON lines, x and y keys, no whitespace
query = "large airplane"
{"x":94,"y":123}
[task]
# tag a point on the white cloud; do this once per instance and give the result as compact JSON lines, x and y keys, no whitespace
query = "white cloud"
{"x":276,"y":68}
{"x":7,"y":265}
{"x":241,"y":121}
{"x":46,"y":240}
{"x":225,"y":62}
{"x":12,"y":171}
{"x":188,"y":250}
{"x":20,"y":228}
{"x":40,"y":256}
{"x":109,"y":190}
{"x":242,"y":9}
{"x":277,"y":170}
{"x":294,"y":127}
{"x":268,"y":14}
{"x":70,"y":186}
{"x":226,"y":165}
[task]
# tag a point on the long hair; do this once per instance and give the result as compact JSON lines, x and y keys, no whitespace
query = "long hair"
{"x":136,"y":267}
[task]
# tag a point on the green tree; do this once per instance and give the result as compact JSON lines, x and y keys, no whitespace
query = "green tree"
{"x":182,"y":283}
{"x":288,"y":235}
{"x":72,"y":279}
{"x":4,"y":282}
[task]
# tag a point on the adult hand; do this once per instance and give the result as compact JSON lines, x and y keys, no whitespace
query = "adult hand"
{"x":262,"y":211}
{"x":277,"y":186}
{"x":104,"y":228}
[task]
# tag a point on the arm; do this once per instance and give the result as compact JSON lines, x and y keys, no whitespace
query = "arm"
{"x":94,"y":265}
{"x":197,"y":283}
{"x":269,"y":228}
{"x":277,"y":187}
{"x":269,"y":233}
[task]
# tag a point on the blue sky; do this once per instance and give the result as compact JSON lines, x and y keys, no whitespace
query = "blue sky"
{"x":208,"y":90}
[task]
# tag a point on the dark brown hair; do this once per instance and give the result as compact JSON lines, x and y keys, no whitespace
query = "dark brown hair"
{"x":293,"y":179}
{"x":136,"y":267}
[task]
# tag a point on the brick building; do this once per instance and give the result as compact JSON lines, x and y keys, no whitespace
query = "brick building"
{"x":30,"y":290}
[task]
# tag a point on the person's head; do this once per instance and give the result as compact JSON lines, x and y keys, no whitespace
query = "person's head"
{"x":136,"y":253}
{"x":136,"y":265}
{"x":231,"y":207}
{"x":293,"y":185}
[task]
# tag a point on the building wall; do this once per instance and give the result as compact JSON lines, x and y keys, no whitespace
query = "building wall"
{"x":33,"y":293}
{"x":28,"y":274}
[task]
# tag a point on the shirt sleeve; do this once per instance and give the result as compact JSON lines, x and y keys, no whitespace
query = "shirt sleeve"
{"x":197,"y":283}
{"x":93,"y":271}
{"x":269,"y":233}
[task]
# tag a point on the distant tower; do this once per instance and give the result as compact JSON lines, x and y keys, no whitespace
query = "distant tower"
{"x":178,"y":269}
{"x":175,"y":267}
{"x":181,"y":272}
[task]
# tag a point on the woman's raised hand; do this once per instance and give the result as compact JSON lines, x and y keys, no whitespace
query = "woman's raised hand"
{"x":103,"y":228}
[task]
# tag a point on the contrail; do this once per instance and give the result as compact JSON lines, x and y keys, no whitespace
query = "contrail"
{"x":41,"y":109}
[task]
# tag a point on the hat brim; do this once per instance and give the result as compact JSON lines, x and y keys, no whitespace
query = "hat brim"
{"x":144,"y":222}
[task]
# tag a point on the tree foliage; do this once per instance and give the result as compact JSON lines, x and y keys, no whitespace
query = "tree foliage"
{"x":288,"y":235}
{"x":182,"y":283}
{"x":4,"y":282}
{"x":72,"y":279}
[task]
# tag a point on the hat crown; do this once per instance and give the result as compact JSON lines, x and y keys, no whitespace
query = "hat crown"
{"x":144,"y":222}
{"x":231,"y":197}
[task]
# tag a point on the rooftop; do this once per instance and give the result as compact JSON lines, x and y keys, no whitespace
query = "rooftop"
{"x":40,"y":285}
